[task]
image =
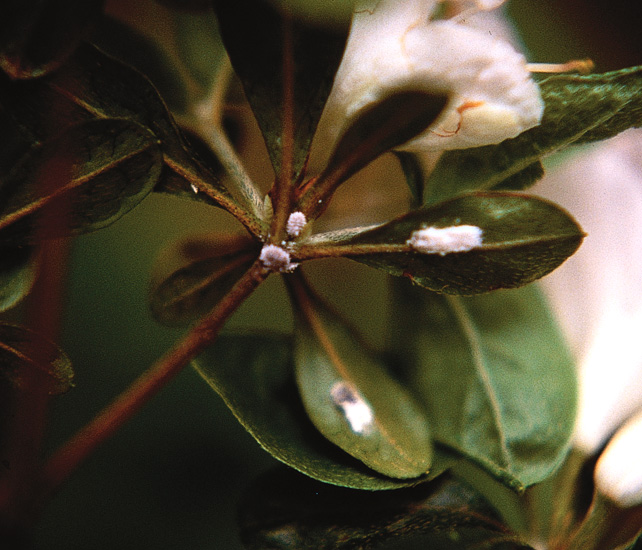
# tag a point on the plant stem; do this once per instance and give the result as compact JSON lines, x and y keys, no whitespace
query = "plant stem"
{"x":30,"y":403}
{"x":73,"y":453}
{"x":283,"y":191}
{"x":311,"y":252}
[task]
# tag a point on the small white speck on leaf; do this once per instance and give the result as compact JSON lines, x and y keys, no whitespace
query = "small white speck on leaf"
{"x":357,"y":412}
{"x":194,"y":188}
{"x":445,"y":240}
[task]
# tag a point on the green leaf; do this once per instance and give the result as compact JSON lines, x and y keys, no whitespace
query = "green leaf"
{"x":94,"y":85}
{"x":286,"y":511}
{"x":523,"y":239}
{"x":17,"y":274}
{"x":187,"y":5}
{"x":255,"y":377}
{"x":253,"y":33}
{"x":193,"y":275}
{"x":414,"y":175}
{"x":494,"y":375}
{"x":36,"y":36}
{"x":351,"y":397}
{"x":95,"y":171}
{"x":579,"y":109}
{"x":388,"y":123}
{"x":130,"y":46}
{"x":25,"y":355}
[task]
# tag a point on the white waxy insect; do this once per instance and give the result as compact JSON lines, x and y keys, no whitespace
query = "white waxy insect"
{"x":357,"y":412}
{"x":446,"y":240}
{"x":194,"y":188}
{"x":296,"y":222}
{"x":277,"y":259}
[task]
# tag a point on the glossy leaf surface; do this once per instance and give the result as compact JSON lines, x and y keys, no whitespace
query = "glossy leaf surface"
{"x":36,"y":36}
{"x":254,"y":374}
{"x":523,"y":239}
{"x":351,"y":397}
{"x":96,"y":171}
{"x":197,"y":274}
{"x":286,"y":511}
{"x":494,"y":375}
{"x":253,"y":33}
{"x":579,"y":109}
{"x":25,"y":354}
{"x":17,"y":274}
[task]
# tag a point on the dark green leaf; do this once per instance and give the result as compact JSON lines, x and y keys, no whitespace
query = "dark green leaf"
{"x":579,"y":109}
{"x":195,"y":274}
{"x":16,"y":140}
{"x":17,"y":274}
{"x":25,"y":355}
{"x":351,"y":397}
{"x":94,"y":85}
{"x":95,"y":172}
{"x":36,"y":36}
{"x":286,"y":511}
{"x":187,"y":5}
{"x":255,"y":377}
{"x":129,"y":46}
{"x":494,"y":375}
{"x":523,"y":239}
{"x":414,"y":174}
{"x":335,"y":13}
{"x":253,"y":33}
{"x":389,"y":123}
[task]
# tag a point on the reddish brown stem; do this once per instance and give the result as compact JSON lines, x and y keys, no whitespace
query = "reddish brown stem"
{"x":30,"y":402}
{"x":283,"y":191}
{"x":73,"y":453}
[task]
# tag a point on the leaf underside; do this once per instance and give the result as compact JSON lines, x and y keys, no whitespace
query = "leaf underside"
{"x":287,"y":511}
{"x":93,"y":85}
{"x":27,"y":361}
{"x":253,"y":33}
{"x":37,"y":36}
{"x":94,"y":172}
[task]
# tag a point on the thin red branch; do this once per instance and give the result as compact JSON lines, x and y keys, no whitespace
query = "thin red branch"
{"x":73,"y":453}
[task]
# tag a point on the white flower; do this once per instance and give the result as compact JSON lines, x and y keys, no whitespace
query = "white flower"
{"x":618,"y":473}
{"x":394,"y":45}
{"x":597,"y":293}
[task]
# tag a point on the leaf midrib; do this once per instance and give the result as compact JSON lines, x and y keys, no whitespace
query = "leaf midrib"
{"x":477,"y":355}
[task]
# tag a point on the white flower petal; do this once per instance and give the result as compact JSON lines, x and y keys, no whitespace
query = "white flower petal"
{"x":618,"y":473}
{"x":597,"y":293}
{"x":394,"y":46}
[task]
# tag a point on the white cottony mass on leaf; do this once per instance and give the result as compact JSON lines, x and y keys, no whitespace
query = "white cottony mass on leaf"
{"x":597,"y":293}
{"x":394,"y":45}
